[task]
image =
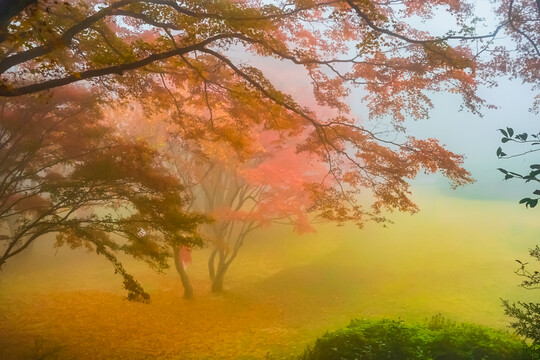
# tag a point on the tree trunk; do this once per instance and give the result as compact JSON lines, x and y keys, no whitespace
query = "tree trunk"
{"x":211,"y":268}
{"x":217,"y":283}
{"x":217,"y":273}
{"x":188,"y":288}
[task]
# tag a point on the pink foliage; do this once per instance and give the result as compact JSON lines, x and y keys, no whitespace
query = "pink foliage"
{"x":282,"y":176}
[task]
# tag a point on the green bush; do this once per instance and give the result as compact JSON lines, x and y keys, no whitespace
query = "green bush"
{"x":440,"y":339}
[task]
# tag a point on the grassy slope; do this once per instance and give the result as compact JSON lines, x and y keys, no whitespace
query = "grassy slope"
{"x":456,"y":257}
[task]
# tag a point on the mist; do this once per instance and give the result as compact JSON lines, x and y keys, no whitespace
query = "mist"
{"x":249,"y":180}
{"x":456,"y":258}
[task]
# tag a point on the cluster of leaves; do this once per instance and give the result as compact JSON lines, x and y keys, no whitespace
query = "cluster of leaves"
{"x":524,"y":138}
{"x":438,"y":340}
{"x":177,"y":57}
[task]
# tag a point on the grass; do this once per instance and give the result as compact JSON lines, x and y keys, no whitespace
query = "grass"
{"x":283,"y":291}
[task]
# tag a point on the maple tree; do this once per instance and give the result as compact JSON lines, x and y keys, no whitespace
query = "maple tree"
{"x":240,"y":194}
{"x":185,"y":45}
{"x":176,"y":58}
{"x":243,"y":195}
{"x":62,"y":171}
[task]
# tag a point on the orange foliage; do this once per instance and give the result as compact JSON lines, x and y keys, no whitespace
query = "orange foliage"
{"x":246,"y":151}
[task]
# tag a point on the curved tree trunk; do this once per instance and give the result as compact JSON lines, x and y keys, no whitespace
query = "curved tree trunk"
{"x":211,"y":267}
{"x":217,"y":274}
{"x":188,"y":288}
{"x":217,"y":271}
{"x":217,"y":282}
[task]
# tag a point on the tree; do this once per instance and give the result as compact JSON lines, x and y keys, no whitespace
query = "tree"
{"x":62,"y":171}
{"x":187,"y":48}
{"x":272,"y":186}
{"x":240,"y":194}
{"x":526,"y":315}
{"x":177,"y":59}
{"x":162,"y":136}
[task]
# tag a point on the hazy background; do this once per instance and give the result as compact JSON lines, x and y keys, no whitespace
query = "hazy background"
{"x":455,"y":257}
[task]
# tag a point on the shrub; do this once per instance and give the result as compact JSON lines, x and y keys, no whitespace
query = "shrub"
{"x":440,"y":339}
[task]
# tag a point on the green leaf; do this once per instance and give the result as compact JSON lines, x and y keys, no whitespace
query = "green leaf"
{"x":523,"y":136}
{"x":503,"y":132}
{"x":524,"y":200}
{"x":536,"y":192}
{"x":532,"y":203}
{"x":503,"y":171}
{"x":508,"y":176}
{"x":510,"y":131}
{"x":505,"y":140}
{"x":535,"y":166}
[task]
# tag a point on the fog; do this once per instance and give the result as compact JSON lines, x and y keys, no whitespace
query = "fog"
{"x":456,"y":257}
{"x":289,"y":284}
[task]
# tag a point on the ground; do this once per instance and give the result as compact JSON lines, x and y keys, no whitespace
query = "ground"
{"x":282,"y":293}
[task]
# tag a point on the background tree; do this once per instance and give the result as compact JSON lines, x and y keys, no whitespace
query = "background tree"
{"x":240,"y":193}
{"x":176,"y":158}
{"x":62,"y":171}
{"x":243,"y":195}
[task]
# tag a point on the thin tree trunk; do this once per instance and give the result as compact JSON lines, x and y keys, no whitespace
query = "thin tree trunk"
{"x":211,"y":266}
{"x":217,"y":283}
{"x":222,"y":266}
{"x":188,"y":288}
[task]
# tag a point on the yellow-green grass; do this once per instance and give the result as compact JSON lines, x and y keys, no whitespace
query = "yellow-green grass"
{"x":456,"y":257}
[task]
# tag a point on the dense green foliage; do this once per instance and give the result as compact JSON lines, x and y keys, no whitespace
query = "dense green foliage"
{"x":438,"y":340}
